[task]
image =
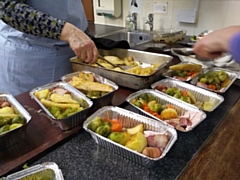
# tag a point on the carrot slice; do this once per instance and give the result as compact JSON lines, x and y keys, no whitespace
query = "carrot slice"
{"x":116,"y":127}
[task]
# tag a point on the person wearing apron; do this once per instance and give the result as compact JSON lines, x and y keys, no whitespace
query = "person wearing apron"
{"x":37,"y":39}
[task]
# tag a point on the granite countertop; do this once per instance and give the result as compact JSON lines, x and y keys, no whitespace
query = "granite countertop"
{"x":81,"y":158}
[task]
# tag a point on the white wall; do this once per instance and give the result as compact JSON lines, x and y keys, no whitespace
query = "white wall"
{"x":212,"y":15}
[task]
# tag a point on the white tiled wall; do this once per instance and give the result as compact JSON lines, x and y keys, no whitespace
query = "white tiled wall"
{"x":212,"y":14}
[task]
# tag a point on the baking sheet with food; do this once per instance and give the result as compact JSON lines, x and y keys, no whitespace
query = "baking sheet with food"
{"x":215,"y":79}
{"x":151,"y":66}
{"x":99,"y":89}
{"x":156,"y":105}
{"x":13,"y":121}
{"x":46,"y":171}
{"x":201,"y":98}
{"x":183,"y":71}
{"x":66,"y":106}
{"x":138,"y":137}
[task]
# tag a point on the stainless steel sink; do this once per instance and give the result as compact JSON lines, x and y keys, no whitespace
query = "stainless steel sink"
{"x":133,"y":38}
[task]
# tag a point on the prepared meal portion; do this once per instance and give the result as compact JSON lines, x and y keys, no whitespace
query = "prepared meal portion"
{"x":183,"y":71}
{"x":134,"y":67}
{"x":168,"y":36}
{"x":44,"y":171}
{"x":12,"y":114}
{"x":215,"y":79}
{"x":180,"y":115}
{"x":203,"y":99}
{"x":91,"y":84}
{"x":137,"y":137}
{"x":63,"y":103}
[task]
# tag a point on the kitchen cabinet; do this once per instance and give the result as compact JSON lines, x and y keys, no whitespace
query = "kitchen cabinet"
{"x":88,"y":7}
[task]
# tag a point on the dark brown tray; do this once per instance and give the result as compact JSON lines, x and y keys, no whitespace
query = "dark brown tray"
{"x":41,"y":135}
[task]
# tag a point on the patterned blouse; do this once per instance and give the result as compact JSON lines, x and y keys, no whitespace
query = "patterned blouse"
{"x":24,"y":18}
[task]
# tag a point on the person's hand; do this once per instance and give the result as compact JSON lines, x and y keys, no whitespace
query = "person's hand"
{"x":81,"y":44}
{"x":212,"y":45}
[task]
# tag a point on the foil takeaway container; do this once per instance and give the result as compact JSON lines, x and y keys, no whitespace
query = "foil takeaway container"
{"x":73,"y":120}
{"x":98,"y":101}
{"x":16,"y":135}
{"x":231,"y":74}
{"x":203,"y":99}
{"x":47,"y":170}
{"x":130,"y":119}
{"x":192,"y":115}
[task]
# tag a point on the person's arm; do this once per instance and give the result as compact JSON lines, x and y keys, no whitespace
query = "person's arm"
{"x":31,"y":21}
{"x":217,"y":41}
{"x":234,"y":47}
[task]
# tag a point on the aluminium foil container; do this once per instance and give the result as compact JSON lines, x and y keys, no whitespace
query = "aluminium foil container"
{"x":122,"y":78}
{"x":200,"y":94}
{"x":72,"y":120}
{"x":101,"y":101}
{"x":130,"y":119}
{"x":37,"y":169}
{"x":233,"y":76}
{"x":169,"y":73}
{"x":16,"y":135}
{"x":162,"y":99}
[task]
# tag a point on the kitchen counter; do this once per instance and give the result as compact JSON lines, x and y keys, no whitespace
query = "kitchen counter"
{"x":209,"y":151}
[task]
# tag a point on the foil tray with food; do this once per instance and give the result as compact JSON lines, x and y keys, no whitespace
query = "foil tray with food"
{"x":99,"y":89}
{"x":136,"y":137}
{"x":44,"y":171}
{"x":65,"y":105}
{"x":200,"y":98}
{"x":168,"y":36}
{"x":156,"y":105}
{"x":183,"y":71}
{"x":215,"y":79}
{"x":146,"y":69}
{"x":14,"y":119}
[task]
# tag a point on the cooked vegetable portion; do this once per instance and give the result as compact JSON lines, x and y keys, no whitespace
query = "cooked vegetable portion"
{"x":46,"y":174}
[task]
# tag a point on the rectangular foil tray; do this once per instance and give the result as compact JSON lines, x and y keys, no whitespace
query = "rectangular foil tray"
{"x":131,"y":119}
{"x":16,"y":135}
{"x":34,"y":169}
{"x":72,"y":120}
{"x":97,"y":102}
{"x":200,"y":94}
{"x":125,"y":79}
{"x":233,"y":76}
{"x":179,"y":106}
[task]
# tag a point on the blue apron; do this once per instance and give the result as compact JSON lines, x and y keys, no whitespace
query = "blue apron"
{"x":28,"y":61}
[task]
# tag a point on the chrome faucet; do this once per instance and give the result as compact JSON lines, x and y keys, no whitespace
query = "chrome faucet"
{"x":150,"y":21}
{"x":134,"y":20}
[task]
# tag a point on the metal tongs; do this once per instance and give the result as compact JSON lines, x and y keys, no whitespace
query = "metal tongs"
{"x":114,"y":65}
{"x":189,"y":52}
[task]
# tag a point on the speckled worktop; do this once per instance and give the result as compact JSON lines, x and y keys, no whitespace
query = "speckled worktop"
{"x":80,"y":158}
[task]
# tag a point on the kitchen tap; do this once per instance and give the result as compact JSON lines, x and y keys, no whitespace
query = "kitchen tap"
{"x":150,"y":21}
{"x":134,"y":20}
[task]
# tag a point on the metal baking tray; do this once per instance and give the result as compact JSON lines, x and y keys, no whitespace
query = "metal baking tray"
{"x":37,"y":168}
{"x":130,"y":119}
{"x":122,"y":78}
{"x":72,"y":120}
{"x":9,"y":138}
{"x":97,"y":102}
{"x":179,"y":106}
{"x":200,"y":94}
{"x":169,"y":73}
{"x":233,"y":76}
